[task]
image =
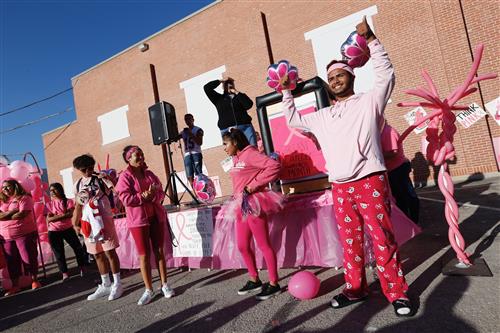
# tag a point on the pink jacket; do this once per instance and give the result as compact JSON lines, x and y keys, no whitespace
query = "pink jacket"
{"x":253,"y":169}
{"x":390,"y":142}
{"x":129,"y":191}
{"x":349,"y":131}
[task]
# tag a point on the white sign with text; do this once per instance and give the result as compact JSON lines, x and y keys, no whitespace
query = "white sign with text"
{"x":415,"y":115}
{"x":493,"y":108}
{"x":193,"y":231}
{"x":469,"y":117}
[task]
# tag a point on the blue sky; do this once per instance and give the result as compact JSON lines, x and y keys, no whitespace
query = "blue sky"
{"x":45,"y":43}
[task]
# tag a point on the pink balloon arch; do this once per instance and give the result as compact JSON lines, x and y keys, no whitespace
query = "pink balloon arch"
{"x":440,"y":149}
{"x":29,"y":176}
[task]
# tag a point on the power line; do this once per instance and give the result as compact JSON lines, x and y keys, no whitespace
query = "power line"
{"x":35,"y":102}
{"x":35,"y":121}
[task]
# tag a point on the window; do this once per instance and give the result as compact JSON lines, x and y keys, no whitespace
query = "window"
{"x":114,"y":125}
{"x":327,"y":40}
{"x":67,"y":177}
{"x":198,"y":104}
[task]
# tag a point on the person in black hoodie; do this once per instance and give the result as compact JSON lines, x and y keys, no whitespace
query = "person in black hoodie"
{"x":232,"y":107}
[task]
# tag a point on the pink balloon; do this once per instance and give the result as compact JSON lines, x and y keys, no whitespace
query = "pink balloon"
{"x":4,"y":172}
{"x":38,"y":209}
{"x":37,"y":194}
{"x":19,"y":170}
{"x":304,"y":285}
{"x":28,"y":184}
{"x":45,"y":186}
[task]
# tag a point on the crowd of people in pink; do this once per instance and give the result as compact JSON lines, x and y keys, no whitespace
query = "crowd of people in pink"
{"x":364,"y":169}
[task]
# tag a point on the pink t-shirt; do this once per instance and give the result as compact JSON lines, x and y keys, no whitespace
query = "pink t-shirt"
{"x":389,"y":140}
{"x":12,"y":229}
{"x":56,"y":207}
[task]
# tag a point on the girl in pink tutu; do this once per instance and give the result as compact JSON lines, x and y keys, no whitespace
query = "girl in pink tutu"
{"x":251,"y":204}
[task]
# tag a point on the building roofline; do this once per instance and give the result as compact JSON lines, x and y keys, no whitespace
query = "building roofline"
{"x":146,"y":39}
{"x":58,"y":128}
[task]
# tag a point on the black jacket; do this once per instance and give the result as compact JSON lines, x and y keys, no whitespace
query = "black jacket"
{"x":232,"y":110}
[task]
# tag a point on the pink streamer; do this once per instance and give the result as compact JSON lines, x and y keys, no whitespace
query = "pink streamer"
{"x":440,"y":148}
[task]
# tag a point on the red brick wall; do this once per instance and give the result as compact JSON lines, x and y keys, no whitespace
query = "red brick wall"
{"x":417,"y":35}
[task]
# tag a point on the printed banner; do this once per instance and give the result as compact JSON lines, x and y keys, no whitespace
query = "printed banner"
{"x":193,"y":231}
{"x":469,"y":117}
{"x":415,"y":115}
{"x":300,"y":154}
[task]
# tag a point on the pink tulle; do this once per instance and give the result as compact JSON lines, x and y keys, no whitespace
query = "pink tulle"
{"x":262,"y":203}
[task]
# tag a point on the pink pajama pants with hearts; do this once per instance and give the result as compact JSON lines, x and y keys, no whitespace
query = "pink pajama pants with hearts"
{"x":365,"y":203}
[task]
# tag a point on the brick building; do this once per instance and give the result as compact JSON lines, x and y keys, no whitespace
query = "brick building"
{"x":227,"y":38}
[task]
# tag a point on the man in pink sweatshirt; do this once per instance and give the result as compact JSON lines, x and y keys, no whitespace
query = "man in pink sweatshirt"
{"x":349,"y":135}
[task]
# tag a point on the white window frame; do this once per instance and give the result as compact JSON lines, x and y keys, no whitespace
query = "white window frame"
{"x":114,"y":125}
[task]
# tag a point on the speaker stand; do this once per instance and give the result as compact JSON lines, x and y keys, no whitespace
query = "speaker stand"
{"x":171,"y":181}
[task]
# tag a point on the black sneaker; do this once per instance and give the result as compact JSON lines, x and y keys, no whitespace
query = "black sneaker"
{"x":268,"y":291}
{"x":250,"y":287}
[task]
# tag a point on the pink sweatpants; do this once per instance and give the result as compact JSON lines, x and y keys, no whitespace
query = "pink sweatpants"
{"x":365,"y":202}
{"x":256,"y":226}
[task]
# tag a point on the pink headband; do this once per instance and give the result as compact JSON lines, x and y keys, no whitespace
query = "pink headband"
{"x":341,"y":65}
{"x":129,"y":152}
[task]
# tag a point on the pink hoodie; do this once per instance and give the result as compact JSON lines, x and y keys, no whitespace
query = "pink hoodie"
{"x":129,"y":191}
{"x":252,"y":169}
{"x":349,"y":131}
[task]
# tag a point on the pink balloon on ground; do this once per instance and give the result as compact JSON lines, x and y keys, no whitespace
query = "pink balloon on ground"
{"x":304,"y":285}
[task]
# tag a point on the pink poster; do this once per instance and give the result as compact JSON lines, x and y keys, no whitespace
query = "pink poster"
{"x":300,"y":154}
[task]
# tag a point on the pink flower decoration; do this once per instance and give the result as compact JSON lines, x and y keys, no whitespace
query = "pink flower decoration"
{"x":355,"y":50}
{"x":282,"y":75}
{"x":204,"y":188}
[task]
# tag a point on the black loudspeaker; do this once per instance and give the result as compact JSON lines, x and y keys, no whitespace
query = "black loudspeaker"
{"x":163,"y":123}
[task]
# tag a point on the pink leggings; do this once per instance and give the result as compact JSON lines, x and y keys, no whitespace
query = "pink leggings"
{"x":22,"y":250}
{"x":256,"y":226}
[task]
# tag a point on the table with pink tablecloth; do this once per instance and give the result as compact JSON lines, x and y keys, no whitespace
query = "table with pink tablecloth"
{"x":304,"y":233}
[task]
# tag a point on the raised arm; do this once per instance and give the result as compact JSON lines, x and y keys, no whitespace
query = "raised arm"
{"x":209,"y":88}
{"x":382,"y":66}
{"x":293,"y":117}
{"x":244,"y":100}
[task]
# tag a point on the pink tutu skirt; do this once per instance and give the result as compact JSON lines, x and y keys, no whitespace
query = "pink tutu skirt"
{"x":260,"y":203}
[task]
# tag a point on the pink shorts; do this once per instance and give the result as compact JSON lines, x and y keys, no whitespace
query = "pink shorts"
{"x":146,"y":235}
{"x":111,"y":239}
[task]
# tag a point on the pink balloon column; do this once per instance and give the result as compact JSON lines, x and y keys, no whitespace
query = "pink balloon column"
{"x":440,"y":148}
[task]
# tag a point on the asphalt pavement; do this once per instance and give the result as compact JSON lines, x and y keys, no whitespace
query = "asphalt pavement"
{"x":207,"y":301}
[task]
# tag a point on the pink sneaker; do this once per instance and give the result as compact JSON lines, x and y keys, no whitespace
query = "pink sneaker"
{"x":12,"y":291}
{"x":65,"y":276}
{"x":36,"y":285}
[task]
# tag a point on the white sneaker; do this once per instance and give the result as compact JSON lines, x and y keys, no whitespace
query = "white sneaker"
{"x":146,"y":297}
{"x":101,"y":291}
{"x":116,"y":292}
{"x":167,"y":291}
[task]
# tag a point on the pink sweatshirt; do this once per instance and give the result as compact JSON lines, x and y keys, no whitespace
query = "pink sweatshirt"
{"x":349,"y":131}
{"x":252,"y":169}
{"x":129,"y":190}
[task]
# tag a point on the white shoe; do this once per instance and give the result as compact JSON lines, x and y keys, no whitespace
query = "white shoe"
{"x":146,"y":297}
{"x":116,"y":292}
{"x":167,"y":291}
{"x":101,"y":291}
